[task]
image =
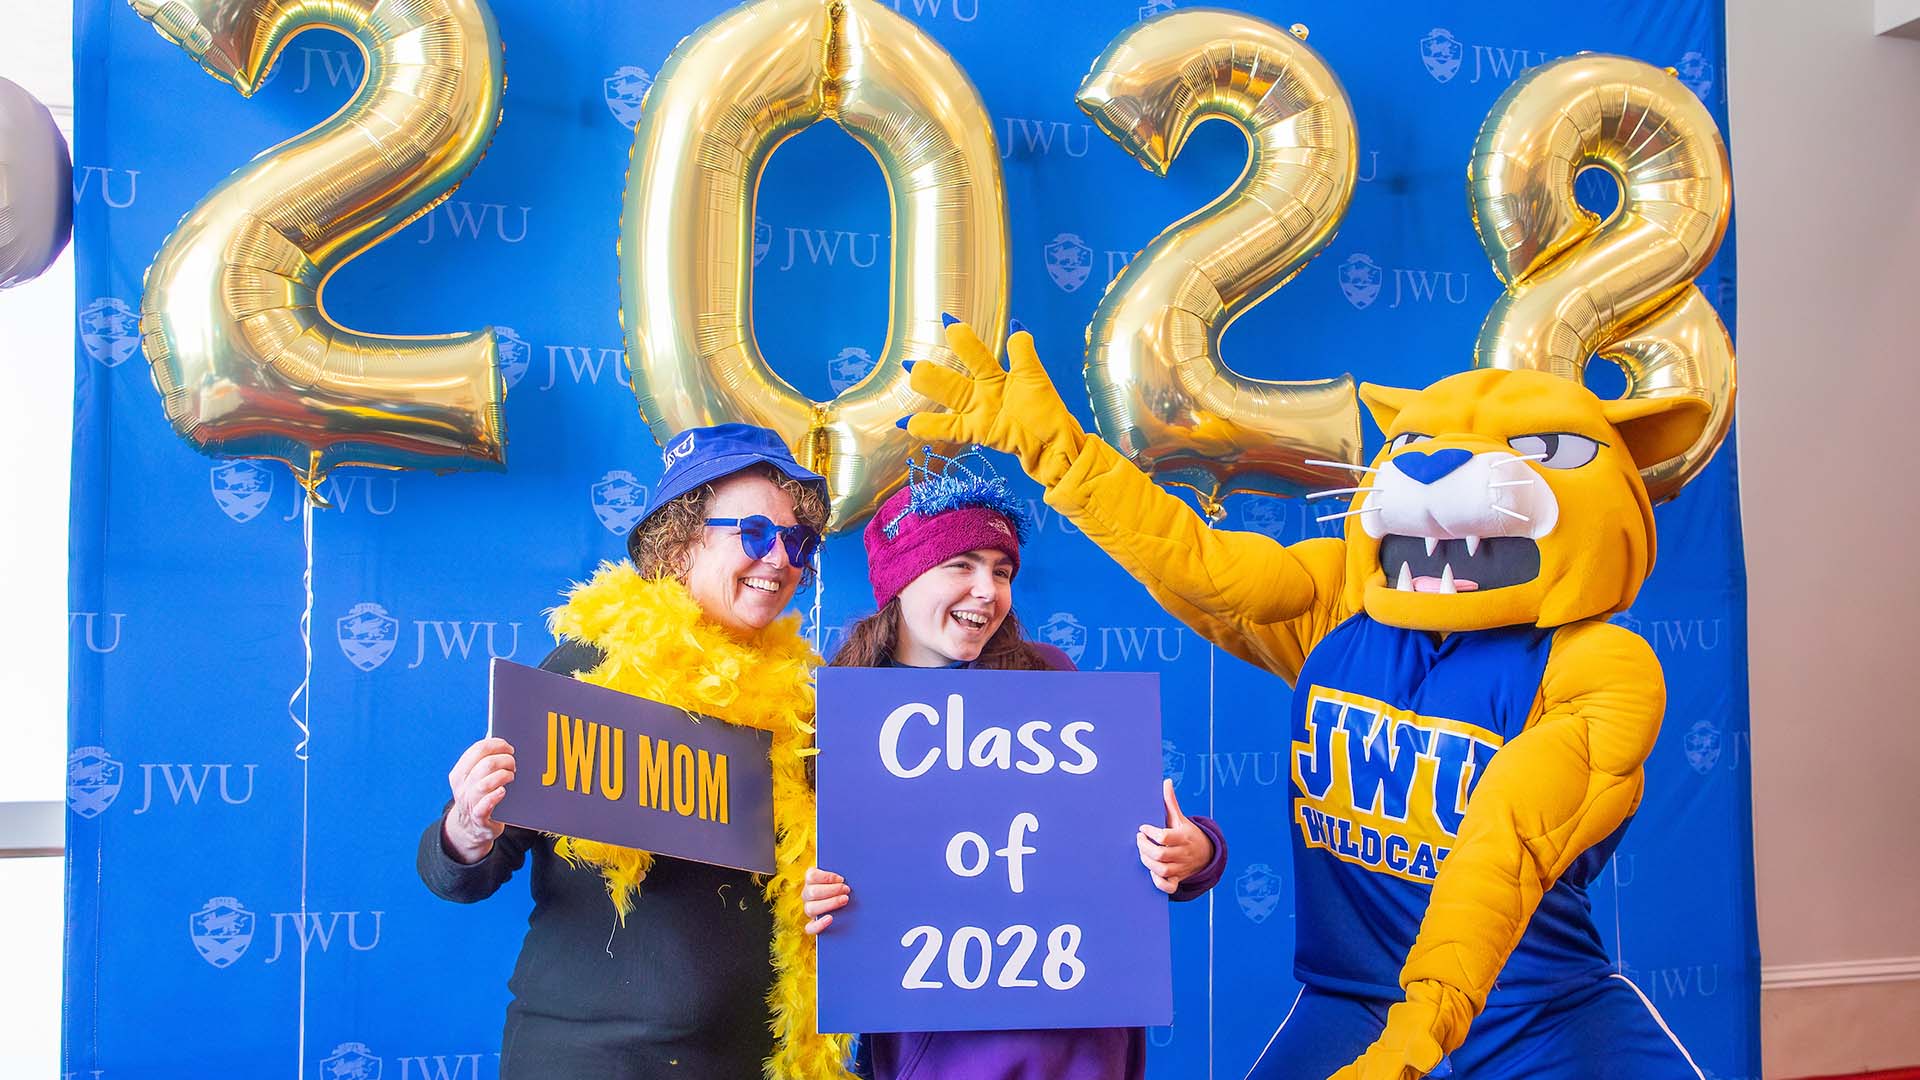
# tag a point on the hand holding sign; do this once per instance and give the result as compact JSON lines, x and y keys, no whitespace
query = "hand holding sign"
{"x":1177,"y":852}
{"x":824,"y":894}
{"x":479,"y":781}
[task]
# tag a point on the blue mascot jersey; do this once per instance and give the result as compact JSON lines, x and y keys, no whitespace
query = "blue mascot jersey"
{"x":1392,"y":729}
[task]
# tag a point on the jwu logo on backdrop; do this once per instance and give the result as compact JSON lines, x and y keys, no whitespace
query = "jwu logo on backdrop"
{"x":1101,"y":647}
{"x":368,"y":635}
{"x":117,"y":188}
{"x":1027,"y":138}
{"x":847,"y":367}
{"x":242,"y":488}
{"x":94,"y":780}
{"x":624,"y":91}
{"x":1362,"y":280}
{"x":329,"y":68}
{"x":582,"y":364}
{"x":460,"y":219}
{"x":223,"y":930}
{"x":619,"y":498}
{"x":109,"y":330}
{"x":1257,"y":890}
{"x":1445,"y":56}
{"x":99,"y":631}
{"x":959,"y":10}
{"x":355,"y":1061}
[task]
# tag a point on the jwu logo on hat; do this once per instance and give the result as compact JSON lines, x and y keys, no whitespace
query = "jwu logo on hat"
{"x":678,"y":451}
{"x":619,"y":498}
{"x":625,"y":91}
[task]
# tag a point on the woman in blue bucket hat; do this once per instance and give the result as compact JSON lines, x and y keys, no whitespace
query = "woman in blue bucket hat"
{"x":707,"y":972}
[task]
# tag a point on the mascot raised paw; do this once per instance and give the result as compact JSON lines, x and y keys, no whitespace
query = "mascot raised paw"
{"x":1468,"y":731}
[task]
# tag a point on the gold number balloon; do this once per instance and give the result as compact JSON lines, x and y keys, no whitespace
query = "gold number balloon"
{"x":730,"y":94}
{"x":1622,"y":288}
{"x":243,"y":352}
{"x":1160,"y":392}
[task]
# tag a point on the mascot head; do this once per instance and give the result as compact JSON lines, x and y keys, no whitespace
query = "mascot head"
{"x":1505,"y":498}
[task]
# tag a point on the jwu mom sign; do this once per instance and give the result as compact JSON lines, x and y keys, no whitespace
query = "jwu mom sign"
{"x":985,"y":822}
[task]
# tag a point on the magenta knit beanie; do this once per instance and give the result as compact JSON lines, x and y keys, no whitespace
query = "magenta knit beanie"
{"x":937,"y":516}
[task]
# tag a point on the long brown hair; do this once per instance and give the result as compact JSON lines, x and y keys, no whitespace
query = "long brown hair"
{"x":870,"y":643}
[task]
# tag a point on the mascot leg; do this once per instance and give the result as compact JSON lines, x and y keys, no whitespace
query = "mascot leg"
{"x":1322,"y":1032}
{"x":1607,"y":1030}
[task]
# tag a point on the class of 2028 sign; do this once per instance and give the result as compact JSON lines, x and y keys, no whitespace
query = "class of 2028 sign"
{"x":985,"y":823}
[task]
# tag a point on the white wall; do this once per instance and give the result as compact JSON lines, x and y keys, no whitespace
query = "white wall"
{"x":36,"y":408}
{"x":1826,"y":151}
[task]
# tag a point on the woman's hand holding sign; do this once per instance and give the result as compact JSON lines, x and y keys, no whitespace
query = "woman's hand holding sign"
{"x":479,"y":781}
{"x":825,"y":893}
{"x":1176,"y":852}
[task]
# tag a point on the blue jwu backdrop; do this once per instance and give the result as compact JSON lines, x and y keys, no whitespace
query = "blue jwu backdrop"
{"x":237,"y":910}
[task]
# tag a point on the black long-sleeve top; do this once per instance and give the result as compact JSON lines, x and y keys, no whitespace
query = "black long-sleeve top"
{"x":679,"y":990}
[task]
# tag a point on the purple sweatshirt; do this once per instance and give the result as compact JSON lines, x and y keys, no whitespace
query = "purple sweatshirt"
{"x":1058,"y":1054}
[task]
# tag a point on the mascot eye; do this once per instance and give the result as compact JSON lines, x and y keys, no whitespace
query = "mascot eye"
{"x":1401,"y":442}
{"x":1560,"y":450}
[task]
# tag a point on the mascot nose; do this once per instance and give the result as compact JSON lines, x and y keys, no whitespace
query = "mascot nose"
{"x":1427,"y":468}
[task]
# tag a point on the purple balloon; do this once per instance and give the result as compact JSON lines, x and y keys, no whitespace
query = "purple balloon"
{"x":36,"y":187}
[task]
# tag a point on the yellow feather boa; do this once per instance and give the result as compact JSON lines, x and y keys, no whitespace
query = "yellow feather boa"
{"x":658,"y":645}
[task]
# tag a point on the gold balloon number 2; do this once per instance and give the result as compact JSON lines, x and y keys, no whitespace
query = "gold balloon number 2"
{"x":1160,"y":392}
{"x":245,"y":357}
{"x":1620,"y":288}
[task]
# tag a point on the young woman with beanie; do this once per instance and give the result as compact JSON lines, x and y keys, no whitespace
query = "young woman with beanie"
{"x":942,"y":554}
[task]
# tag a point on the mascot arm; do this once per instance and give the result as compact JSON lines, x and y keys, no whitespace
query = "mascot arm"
{"x":1258,"y":599}
{"x":1560,"y":787}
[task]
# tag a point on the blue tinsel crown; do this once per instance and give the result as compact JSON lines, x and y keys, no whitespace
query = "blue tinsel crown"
{"x":957,"y":485}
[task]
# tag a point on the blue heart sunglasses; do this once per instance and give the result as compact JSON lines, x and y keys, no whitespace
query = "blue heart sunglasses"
{"x":758,"y":533}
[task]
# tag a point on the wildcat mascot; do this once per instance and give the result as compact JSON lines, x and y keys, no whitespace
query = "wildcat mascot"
{"x":1468,"y":731}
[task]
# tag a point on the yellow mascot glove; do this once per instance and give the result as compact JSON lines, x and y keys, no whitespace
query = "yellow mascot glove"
{"x":1017,"y":411}
{"x":1418,"y":1034}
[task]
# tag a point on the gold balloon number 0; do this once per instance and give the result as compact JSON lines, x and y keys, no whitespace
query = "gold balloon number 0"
{"x":1622,"y":288}
{"x":729,"y":95}
{"x":245,"y":357}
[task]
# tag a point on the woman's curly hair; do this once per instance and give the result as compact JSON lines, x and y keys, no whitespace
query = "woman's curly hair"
{"x":662,"y":545}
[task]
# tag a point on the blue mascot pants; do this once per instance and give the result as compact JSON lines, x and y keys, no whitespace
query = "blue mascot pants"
{"x":1604,"y":1031}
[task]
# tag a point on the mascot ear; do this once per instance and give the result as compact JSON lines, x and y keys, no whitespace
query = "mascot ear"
{"x":1657,"y":428}
{"x":1385,"y":403}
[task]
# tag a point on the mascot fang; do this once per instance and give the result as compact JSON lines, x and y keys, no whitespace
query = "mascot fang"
{"x":1468,"y":732}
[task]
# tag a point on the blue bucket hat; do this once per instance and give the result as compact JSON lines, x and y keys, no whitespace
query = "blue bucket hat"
{"x":703,"y":455}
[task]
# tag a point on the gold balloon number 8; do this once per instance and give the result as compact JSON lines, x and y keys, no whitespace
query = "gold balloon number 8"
{"x":245,"y":357}
{"x":1622,"y":288}
{"x":729,"y":95}
{"x":1161,"y":394}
